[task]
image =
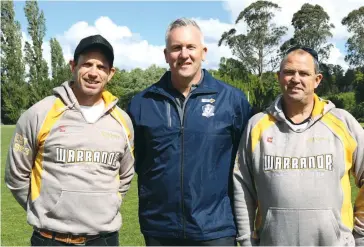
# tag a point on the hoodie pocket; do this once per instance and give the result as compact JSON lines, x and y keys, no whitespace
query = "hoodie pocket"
{"x":300,"y":227}
{"x":82,"y":210}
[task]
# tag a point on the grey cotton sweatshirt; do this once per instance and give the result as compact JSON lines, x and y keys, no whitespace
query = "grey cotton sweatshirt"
{"x":68,"y":174}
{"x":292,"y":187}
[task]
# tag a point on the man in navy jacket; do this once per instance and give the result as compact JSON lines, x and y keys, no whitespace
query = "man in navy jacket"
{"x":187,"y":130}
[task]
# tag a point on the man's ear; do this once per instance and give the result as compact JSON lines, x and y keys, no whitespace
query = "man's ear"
{"x":278,"y":74}
{"x":204,"y":52}
{"x":72,"y":65}
{"x":165,"y":55}
{"x":111,"y":74}
{"x":318,"y":79}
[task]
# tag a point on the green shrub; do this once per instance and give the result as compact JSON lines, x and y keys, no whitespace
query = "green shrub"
{"x":344,"y":101}
{"x":358,"y":112}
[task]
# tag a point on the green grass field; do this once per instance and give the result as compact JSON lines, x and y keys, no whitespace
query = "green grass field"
{"x":16,"y":232}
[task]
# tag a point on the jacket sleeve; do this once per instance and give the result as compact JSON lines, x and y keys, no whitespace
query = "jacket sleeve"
{"x":245,"y":197}
{"x":139,"y":143}
{"x":126,"y":171}
{"x":20,"y":160}
{"x":358,"y":171}
{"x":242,"y":114}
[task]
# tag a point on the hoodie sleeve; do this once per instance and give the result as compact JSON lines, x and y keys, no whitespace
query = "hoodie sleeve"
{"x":20,"y":160}
{"x":127,"y":162}
{"x":245,"y":196}
{"x":358,"y":171}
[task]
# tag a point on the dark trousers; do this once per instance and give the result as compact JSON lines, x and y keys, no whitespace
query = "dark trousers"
{"x":110,"y":239}
{"x":156,"y":241}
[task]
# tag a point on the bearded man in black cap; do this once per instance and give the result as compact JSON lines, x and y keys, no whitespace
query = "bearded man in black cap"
{"x":70,"y":161}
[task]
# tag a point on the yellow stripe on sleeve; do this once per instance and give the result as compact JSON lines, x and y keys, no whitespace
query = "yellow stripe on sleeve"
{"x":36,"y":176}
{"x":117,"y":115}
{"x":259,"y":128}
{"x":339,"y":128}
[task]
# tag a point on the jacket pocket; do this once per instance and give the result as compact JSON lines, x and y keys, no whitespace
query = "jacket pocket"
{"x":284,"y":226}
{"x":84,"y":211}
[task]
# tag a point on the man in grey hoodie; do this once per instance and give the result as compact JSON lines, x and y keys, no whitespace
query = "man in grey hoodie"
{"x":291,"y":175}
{"x":70,"y":161}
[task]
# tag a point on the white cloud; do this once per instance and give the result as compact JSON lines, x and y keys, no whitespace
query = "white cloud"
{"x":131,"y":51}
{"x":214,"y":53}
{"x":212,"y":30}
{"x":337,"y":10}
{"x":140,"y":54}
{"x":47,"y":54}
{"x":337,"y":57}
{"x":24,"y":37}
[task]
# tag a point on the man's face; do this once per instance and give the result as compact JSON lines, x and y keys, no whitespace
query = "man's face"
{"x":185,"y":52}
{"x":91,"y":73}
{"x":297,"y":77}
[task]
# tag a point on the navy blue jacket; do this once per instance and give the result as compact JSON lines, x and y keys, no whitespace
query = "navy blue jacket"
{"x":184,"y":169}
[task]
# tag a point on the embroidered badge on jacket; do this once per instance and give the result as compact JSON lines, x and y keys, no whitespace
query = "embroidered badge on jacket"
{"x":208,"y":110}
{"x":208,"y":100}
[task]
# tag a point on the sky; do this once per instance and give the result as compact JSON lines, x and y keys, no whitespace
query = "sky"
{"x":136,"y":29}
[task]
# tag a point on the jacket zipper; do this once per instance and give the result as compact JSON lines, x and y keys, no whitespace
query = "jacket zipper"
{"x":169,"y":114}
{"x":182,"y":191}
{"x":183,"y":120}
{"x":182,"y":159}
{"x":182,"y":155}
{"x":182,"y":166}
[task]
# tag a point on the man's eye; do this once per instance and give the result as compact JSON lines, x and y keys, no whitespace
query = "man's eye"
{"x":87,"y":65}
{"x":289,"y":72}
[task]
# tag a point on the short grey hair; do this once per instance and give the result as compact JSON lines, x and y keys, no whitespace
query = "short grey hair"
{"x":300,"y":51}
{"x":182,"y":22}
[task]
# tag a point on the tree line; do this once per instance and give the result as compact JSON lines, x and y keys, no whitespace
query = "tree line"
{"x":257,"y":53}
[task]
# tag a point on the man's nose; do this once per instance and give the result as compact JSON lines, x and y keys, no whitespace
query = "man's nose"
{"x":184,"y":53}
{"x":296,"y":77}
{"x":92,"y":72}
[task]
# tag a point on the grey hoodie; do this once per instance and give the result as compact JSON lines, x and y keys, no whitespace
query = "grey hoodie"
{"x":68,"y":174}
{"x":292,"y":187}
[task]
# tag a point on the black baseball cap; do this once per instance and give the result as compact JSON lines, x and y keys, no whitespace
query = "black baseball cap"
{"x":95,"y":41}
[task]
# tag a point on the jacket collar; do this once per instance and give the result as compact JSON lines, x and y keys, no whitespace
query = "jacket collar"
{"x":207,"y":85}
